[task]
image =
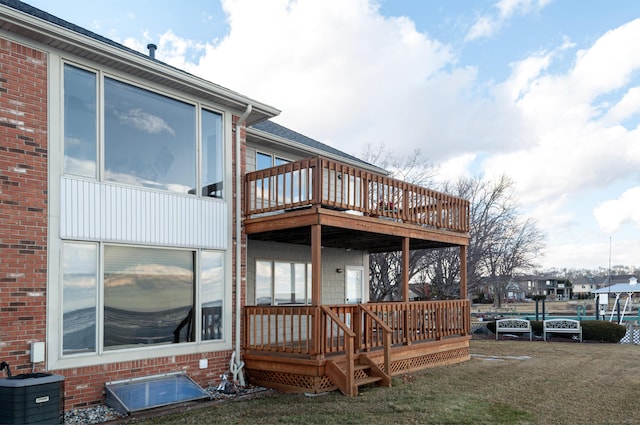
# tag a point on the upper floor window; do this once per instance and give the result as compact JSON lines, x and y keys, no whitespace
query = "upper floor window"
{"x":265,"y":160}
{"x":80,"y":122}
{"x":149,"y":139}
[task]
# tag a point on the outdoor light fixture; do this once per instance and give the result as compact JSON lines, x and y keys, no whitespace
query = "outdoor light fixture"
{"x":339,"y":270}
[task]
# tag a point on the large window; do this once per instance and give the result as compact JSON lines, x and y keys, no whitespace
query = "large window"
{"x":79,"y":297}
{"x":148,"y":296}
{"x":143,"y":297}
{"x":149,"y":140}
{"x":80,"y":122}
{"x":280,"y":283}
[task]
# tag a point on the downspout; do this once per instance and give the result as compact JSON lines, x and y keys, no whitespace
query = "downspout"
{"x":238,"y":230}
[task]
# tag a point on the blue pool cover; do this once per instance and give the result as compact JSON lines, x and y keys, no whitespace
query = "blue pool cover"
{"x":145,"y":393}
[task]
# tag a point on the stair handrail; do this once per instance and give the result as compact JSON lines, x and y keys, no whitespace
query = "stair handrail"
{"x":349,"y":338}
{"x":386,"y":329}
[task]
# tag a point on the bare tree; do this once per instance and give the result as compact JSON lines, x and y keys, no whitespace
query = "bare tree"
{"x":502,"y":243}
{"x":413,"y":168}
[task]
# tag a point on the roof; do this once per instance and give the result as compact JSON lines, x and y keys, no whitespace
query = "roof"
{"x":618,"y":288}
{"x":631,"y":286}
{"x":30,"y":22}
{"x":613,"y":279}
{"x":310,"y":144}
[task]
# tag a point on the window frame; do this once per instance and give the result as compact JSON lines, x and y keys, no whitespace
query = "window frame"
{"x":199,"y":108}
{"x":273,"y":283}
{"x":103,"y":352}
{"x":57,"y":177}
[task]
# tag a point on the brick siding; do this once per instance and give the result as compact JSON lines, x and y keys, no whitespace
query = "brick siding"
{"x":23,"y":240}
{"x":23,"y":202}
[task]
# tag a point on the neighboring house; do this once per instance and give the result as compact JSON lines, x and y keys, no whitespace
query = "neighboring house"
{"x":583,"y":287}
{"x":552,"y":287}
{"x":514,"y":292}
{"x":155,"y":222}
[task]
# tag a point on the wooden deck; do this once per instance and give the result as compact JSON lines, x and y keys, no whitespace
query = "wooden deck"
{"x":317,"y":349}
{"x":334,"y":185}
{"x":320,"y":203}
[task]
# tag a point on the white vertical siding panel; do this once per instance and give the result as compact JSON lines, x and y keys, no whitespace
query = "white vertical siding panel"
{"x":98,"y":211}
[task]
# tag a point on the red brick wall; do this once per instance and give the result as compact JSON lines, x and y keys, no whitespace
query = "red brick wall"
{"x":23,"y":240}
{"x":85,"y":386}
{"x":23,"y":202}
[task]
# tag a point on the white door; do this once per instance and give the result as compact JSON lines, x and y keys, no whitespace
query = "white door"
{"x":354,"y":285}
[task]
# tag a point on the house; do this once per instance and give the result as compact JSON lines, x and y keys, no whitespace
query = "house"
{"x":155,"y":222}
{"x":583,"y":287}
{"x":514,"y":293}
{"x":553,"y":288}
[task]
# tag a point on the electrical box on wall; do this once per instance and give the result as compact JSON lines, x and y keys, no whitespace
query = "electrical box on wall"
{"x":37,"y":352}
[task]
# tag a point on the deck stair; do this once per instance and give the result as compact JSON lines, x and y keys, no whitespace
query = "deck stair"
{"x":363,"y":372}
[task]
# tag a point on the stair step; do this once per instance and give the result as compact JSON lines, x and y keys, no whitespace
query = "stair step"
{"x":356,"y":367}
{"x":368,"y":380}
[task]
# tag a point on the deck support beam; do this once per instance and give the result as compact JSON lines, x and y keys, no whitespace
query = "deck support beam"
{"x":463,"y":272}
{"x":316,"y":265}
{"x":405,"y":269}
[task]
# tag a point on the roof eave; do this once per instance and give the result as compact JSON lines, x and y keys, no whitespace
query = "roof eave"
{"x":130,"y":62}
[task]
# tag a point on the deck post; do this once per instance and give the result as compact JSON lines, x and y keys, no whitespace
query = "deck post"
{"x":405,"y":269}
{"x":316,"y":264}
{"x":405,"y":289}
{"x":463,"y":272}
{"x":316,"y":285}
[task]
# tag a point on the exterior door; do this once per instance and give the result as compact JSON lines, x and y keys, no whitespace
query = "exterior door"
{"x":354,"y":285}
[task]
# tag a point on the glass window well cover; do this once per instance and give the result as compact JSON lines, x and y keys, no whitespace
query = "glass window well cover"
{"x":132,"y":395}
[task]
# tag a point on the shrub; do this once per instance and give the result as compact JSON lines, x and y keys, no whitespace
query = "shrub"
{"x":602,"y":331}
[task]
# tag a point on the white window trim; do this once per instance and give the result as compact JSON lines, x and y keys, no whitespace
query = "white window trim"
{"x":54,"y":272}
{"x":272,"y":288}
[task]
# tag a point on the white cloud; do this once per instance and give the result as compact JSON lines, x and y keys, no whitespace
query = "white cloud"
{"x":612,"y":214}
{"x":574,"y":149}
{"x":484,"y":27}
{"x":489,"y":25}
{"x":626,"y":108}
{"x":454,"y":168}
{"x":144,"y":121}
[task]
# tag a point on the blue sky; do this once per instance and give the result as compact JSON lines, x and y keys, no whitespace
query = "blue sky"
{"x":545,"y":91}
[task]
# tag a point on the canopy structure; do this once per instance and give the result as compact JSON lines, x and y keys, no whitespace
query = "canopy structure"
{"x":602,"y":295}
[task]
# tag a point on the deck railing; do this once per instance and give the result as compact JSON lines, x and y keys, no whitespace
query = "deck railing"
{"x":332,"y":184}
{"x":307,"y":330}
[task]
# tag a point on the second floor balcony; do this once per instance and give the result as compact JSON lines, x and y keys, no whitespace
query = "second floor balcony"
{"x":328,"y":184}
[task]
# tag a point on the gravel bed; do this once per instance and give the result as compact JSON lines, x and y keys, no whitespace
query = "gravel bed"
{"x":103,"y":413}
{"x":91,"y":415}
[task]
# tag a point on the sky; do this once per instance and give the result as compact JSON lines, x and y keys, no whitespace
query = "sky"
{"x":546,"y":92}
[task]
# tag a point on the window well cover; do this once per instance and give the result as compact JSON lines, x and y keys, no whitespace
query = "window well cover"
{"x":154,"y":391}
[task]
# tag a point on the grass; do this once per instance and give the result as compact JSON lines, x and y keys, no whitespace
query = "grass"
{"x":505,"y":382}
